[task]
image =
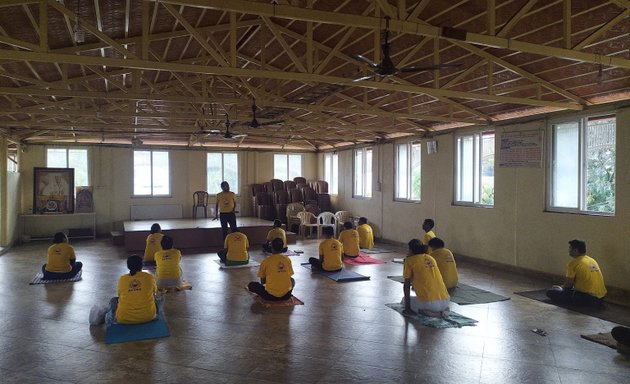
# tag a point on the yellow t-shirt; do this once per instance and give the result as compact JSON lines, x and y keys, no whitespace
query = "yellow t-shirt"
{"x":588,"y":277}
{"x":237,"y":245}
{"x":349,"y":238}
{"x":59,"y":256}
{"x":226,"y":201}
{"x":136,"y":303}
{"x":366,"y":236}
{"x":427,"y":236}
{"x":277,"y":271}
{"x":425,"y":277}
{"x":331,"y":250}
{"x":167,"y":263}
{"x":154,"y":241}
{"x":447,"y":266}
{"x":277,"y":233}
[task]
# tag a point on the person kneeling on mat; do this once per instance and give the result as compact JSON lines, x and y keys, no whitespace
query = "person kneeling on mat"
{"x":136,"y":301}
{"x":275,"y":273}
{"x":330,"y":253}
{"x":276,"y":232}
{"x":62,"y":262}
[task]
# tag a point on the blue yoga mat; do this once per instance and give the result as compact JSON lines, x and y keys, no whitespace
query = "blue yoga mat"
{"x":121,"y":333}
{"x":342,"y":276}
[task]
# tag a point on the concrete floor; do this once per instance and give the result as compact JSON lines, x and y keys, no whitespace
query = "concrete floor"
{"x":343,"y":333}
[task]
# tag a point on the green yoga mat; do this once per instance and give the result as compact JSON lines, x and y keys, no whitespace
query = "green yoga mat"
{"x":466,"y":294}
{"x":454,"y":320}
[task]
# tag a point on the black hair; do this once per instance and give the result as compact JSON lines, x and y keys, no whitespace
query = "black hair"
{"x":59,"y":237}
{"x":578,"y":245}
{"x":429,"y":222}
{"x":329,"y":231}
{"x":362,"y":220}
{"x":436,"y":243}
{"x":167,"y":242}
{"x":347,"y":225}
{"x":416,"y":247}
{"x":155,"y":228}
{"x":277,"y":223}
{"x":277,"y":245}
{"x":134,"y":263}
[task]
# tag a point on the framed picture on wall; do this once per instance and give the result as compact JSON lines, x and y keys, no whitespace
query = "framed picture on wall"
{"x":84,"y":200}
{"x":53,"y":190}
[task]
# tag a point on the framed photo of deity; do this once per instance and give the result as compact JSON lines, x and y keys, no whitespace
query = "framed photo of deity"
{"x":53,"y":190}
{"x":84,"y":200}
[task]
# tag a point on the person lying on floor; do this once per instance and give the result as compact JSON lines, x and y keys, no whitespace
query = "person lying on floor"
{"x":420,"y":271}
{"x":330,"y":252}
{"x":136,"y":301}
{"x":366,"y":234}
{"x":276,"y":233}
{"x":349,"y":238}
{"x":167,"y":261}
{"x":584,"y":283}
{"x":445,"y":262}
{"x":235,"y":251}
{"x":275,"y":273}
{"x":154,"y":244}
{"x":622,"y":335}
{"x":62,"y":262}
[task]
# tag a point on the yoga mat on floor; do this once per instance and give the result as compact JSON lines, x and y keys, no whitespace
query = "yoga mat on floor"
{"x":602,"y":338}
{"x":361,"y":260}
{"x":454,"y":320}
{"x":185,"y":285}
{"x":290,"y":252}
{"x":466,"y":294}
{"x":39,"y":279}
{"x":251,"y":263}
{"x":342,"y":276}
{"x":121,"y":333}
{"x":607,"y":311}
{"x":375,"y":250}
{"x":284,"y":303}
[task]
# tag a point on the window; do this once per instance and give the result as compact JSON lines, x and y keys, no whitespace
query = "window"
{"x":583,"y":165}
{"x":220,"y":167}
{"x":12,"y":164}
{"x":70,"y":158}
{"x":363,"y":172}
{"x":474,"y":167}
{"x":286,"y":167}
{"x":151,"y":173}
{"x":331,"y":172}
{"x":408,"y":171}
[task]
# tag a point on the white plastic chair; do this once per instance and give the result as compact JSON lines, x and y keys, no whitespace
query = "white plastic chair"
{"x":309,"y":220}
{"x":326,"y":219}
{"x":341,"y":217}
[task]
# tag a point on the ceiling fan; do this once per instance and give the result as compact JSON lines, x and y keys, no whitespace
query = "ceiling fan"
{"x":255,"y":124}
{"x":387,"y":68}
{"x":230,"y":135}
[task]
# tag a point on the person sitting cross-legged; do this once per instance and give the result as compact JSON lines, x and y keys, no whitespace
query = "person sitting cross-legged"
{"x":275,"y":273}
{"x":154,"y":244}
{"x":235,"y":251}
{"x":276,"y":232}
{"x":330,"y":253}
{"x":136,"y":301}
{"x":366,"y":234}
{"x":349,"y":238}
{"x":168,"y":260}
{"x":445,"y":262}
{"x":427,"y":227}
{"x":62,"y":262}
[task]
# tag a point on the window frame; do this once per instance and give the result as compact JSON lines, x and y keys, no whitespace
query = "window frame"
{"x":333,"y":183}
{"x":133,"y":174}
{"x":409,"y":171}
{"x":477,"y":179}
{"x":67,"y":150}
{"x":364,"y":179}
{"x":287,"y":156}
{"x":234,"y":188}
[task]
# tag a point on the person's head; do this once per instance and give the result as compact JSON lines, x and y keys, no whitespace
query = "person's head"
{"x":362,"y":220}
{"x":577,"y":248}
{"x":167,"y":242}
{"x":225,"y":186}
{"x":416,"y":247}
{"x":277,"y":223}
{"x":329,"y":231}
{"x":277,"y":245}
{"x":428,"y":225}
{"x":60,"y":237}
{"x":347,"y":225}
{"x":436,"y":243}
{"x":134,"y":263}
{"x":155,"y":228}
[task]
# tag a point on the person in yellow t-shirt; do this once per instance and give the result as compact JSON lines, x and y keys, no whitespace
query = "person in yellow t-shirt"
{"x":168,"y":260}
{"x":62,"y":262}
{"x":445,"y":262}
{"x":427,"y":226}
{"x":154,"y":241}
{"x":366,"y":234}
{"x":225,"y":208}
{"x":235,"y":252}
{"x":584,"y":283}
{"x":276,"y":232}
{"x":136,"y":301}
{"x":420,"y":271}
{"x":349,"y":238}
{"x":275,"y":273}
{"x":330,"y":253}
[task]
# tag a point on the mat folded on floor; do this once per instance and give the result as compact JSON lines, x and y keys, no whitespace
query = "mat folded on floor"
{"x":466,"y":294}
{"x":602,"y":338}
{"x":282,"y":303}
{"x":121,"y":333}
{"x":39,"y":279}
{"x":251,"y":263}
{"x":342,"y":276}
{"x":362,"y":259}
{"x":607,"y":311}
{"x":375,"y":250}
{"x":183,"y":286}
{"x":454,"y":320}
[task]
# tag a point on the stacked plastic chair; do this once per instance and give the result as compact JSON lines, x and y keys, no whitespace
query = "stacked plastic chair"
{"x":281,"y":200}
{"x":264,"y":206}
{"x":289,"y":184}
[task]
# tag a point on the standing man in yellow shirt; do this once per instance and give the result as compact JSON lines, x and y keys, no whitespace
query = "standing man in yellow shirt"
{"x":584,"y":284}
{"x":366,"y":234}
{"x":225,"y":208}
{"x":275,"y":274}
{"x":427,"y":226}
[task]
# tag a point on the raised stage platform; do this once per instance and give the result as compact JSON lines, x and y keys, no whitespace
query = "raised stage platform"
{"x":198,"y":234}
